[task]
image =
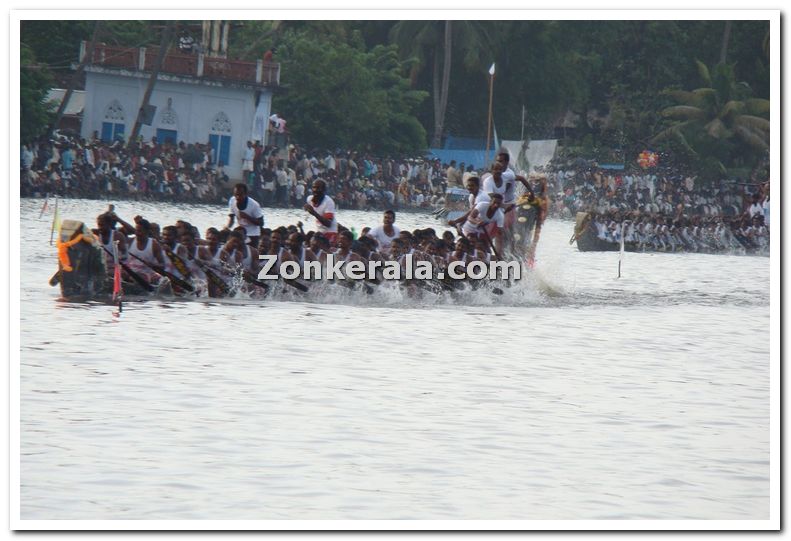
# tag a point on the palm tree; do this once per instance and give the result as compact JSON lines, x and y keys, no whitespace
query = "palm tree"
{"x":719,"y":114}
{"x":424,"y":42}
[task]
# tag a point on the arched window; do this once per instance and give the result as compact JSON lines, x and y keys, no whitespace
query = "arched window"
{"x":113,"y":123}
{"x":168,"y":125}
{"x":220,"y":138}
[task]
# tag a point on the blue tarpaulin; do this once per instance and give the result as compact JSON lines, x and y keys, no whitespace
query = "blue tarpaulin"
{"x":464,"y":143}
{"x":476,"y":158}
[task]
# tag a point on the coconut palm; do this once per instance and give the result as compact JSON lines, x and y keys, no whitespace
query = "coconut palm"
{"x":425,"y":43}
{"x":720,"y":114}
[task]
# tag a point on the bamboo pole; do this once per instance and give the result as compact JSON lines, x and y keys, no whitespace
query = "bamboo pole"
{"x":489,"y":127}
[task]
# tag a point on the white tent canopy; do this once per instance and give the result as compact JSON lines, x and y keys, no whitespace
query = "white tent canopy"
{"x":526,"y":156}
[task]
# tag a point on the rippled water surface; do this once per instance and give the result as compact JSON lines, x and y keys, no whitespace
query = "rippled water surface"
{"x":573,"y":396}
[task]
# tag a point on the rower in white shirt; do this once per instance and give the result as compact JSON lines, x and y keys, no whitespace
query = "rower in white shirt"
{"x":385,"y":233}
{"x":322,"y":207}
{"x":477,"y":195}
{"x":487,"y":219}
{"x":247,"y":211}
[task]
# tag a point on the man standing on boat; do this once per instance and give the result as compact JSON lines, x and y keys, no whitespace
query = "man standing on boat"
{"x":487,"y":220}
{"x":452,"y":174}
{"x":477,"y":195}
{"x":247,"y":211}
{"x":322,"y":207}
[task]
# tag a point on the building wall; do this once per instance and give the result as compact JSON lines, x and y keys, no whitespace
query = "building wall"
{"x":192,"y":110}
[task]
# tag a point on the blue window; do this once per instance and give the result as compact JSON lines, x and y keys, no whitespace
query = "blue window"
{"x":111,"y":131}
{"x":221,"y":148}
{"x":164,"y":136}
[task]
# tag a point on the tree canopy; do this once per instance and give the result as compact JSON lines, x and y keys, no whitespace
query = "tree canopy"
{"x":387,"y":85}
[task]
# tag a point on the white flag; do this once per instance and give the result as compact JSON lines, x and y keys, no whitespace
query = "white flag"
{"x":491,"y":70}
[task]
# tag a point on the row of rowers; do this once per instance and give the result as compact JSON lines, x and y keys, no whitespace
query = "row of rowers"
{"x":179,"y":250}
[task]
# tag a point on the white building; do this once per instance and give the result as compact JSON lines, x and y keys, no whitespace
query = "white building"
{"x":198,"y":99}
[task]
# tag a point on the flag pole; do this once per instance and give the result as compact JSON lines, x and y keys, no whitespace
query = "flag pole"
{"x":489,"y":126}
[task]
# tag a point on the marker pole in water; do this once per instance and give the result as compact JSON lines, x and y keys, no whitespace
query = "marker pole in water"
{"x":55,"y":223}
{"x":118,"y":291}
{"x":620,"y":255}
{"x":44,"y":206}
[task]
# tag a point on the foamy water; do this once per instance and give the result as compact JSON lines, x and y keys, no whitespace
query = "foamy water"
{"x":573,"y":396}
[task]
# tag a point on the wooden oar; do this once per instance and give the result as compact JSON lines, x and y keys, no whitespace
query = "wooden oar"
{"x":170,"y":276}
{"x":142,"y":282}
{"x":213,"y":278}
{"x":491,"y":244}
{"x":179,"y":263}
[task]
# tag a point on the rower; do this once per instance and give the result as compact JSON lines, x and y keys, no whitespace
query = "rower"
{"x":211,"y":251}
{"x":190,"y":251}
{"x":240,"y":252}
{"x":174,"y":251}
{"x":482,"y":251}
{"x":460,"y":251}
{"x":320,"y":246}
{"x":276,"y":247}
{"x":170,"y":240}
{"x":344,"y":251}
{"x":385,"y":233}
{"x":487,"y":218}
{"x":322,"y":207}
{"x":247,"y":211}
{"x":495,"y":183}
{"x":147,"y":249}
{"x":477,"y":195}
{"x":297,"y":251}
{"x":108,"y":237}
{"x":265,"y":242}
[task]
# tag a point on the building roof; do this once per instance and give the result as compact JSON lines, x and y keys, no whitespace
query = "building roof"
{"x":139,"y":62}
{"x":76,"y":102}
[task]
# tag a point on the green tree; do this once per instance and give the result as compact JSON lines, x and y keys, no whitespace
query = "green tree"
{"x":432,"y":42}
{"x":720,"y":124}
{"x":35,"y":81}
{"x":341,"y":95}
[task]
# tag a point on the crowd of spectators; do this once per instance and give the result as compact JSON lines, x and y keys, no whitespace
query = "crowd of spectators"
{"x":68,"y":165}
{"x":71,"y":166}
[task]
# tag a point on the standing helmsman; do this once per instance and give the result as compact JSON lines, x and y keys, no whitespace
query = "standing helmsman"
{"x":322,"y":207}
{"x":247,"y":211}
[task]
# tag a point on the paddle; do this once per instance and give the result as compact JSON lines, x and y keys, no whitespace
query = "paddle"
{"x":170,"y":276}
{"x":142,"y":282}
{"x":179,"y":263}
{"x":213,"y":278}
{"x":491,"y":244}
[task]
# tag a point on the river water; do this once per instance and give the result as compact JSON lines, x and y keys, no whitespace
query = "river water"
{"x":576,"y":395}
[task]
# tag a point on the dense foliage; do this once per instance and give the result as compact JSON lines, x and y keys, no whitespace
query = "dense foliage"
{"x":604,"y":87}
{"x":35,"y":80}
